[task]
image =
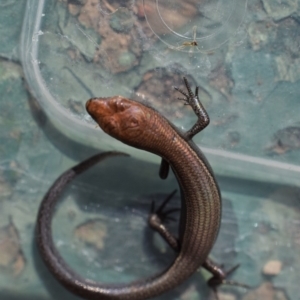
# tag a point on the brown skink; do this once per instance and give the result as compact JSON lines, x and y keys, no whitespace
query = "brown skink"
{"x":143,"y":127}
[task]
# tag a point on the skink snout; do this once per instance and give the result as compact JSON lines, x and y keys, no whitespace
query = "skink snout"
{"x":97,"y":108}
{"x":90,"y":105}
{"x":87,"y":104}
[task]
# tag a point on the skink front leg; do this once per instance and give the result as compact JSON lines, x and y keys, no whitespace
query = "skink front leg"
{"x":192,"y":99}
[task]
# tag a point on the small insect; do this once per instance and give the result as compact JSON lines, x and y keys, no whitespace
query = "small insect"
{"x":191,"y":44}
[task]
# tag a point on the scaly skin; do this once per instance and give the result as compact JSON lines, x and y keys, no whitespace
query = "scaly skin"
{"x":142,"y":127}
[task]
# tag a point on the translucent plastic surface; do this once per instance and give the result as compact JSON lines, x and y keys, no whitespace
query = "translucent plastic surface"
{"x":245,"y":60}
{"x":210,"y":25}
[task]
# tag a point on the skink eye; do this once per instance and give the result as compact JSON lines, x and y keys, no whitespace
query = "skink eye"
{"x":133,"y":122}
{"x":122,"y":105}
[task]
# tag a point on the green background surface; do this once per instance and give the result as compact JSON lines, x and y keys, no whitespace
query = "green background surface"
{"x":261,"y":219}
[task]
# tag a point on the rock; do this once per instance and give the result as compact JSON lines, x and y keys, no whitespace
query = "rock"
{"x":11,"y":256}
{"x":92,"y":233}
{"x":280,"y":9}
{"x":265,"y":292}
{"x":272,"y":267}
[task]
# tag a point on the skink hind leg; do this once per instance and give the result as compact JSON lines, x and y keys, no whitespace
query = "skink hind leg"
{"x":158,"y":216}
{"x":220,"y":276}
{"x":192,"y":99}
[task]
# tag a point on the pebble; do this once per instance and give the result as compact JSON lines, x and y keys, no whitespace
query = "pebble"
{"x":272,"y":267}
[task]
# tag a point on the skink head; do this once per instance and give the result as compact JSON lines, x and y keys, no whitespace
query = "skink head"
{"x":119,"y":117}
